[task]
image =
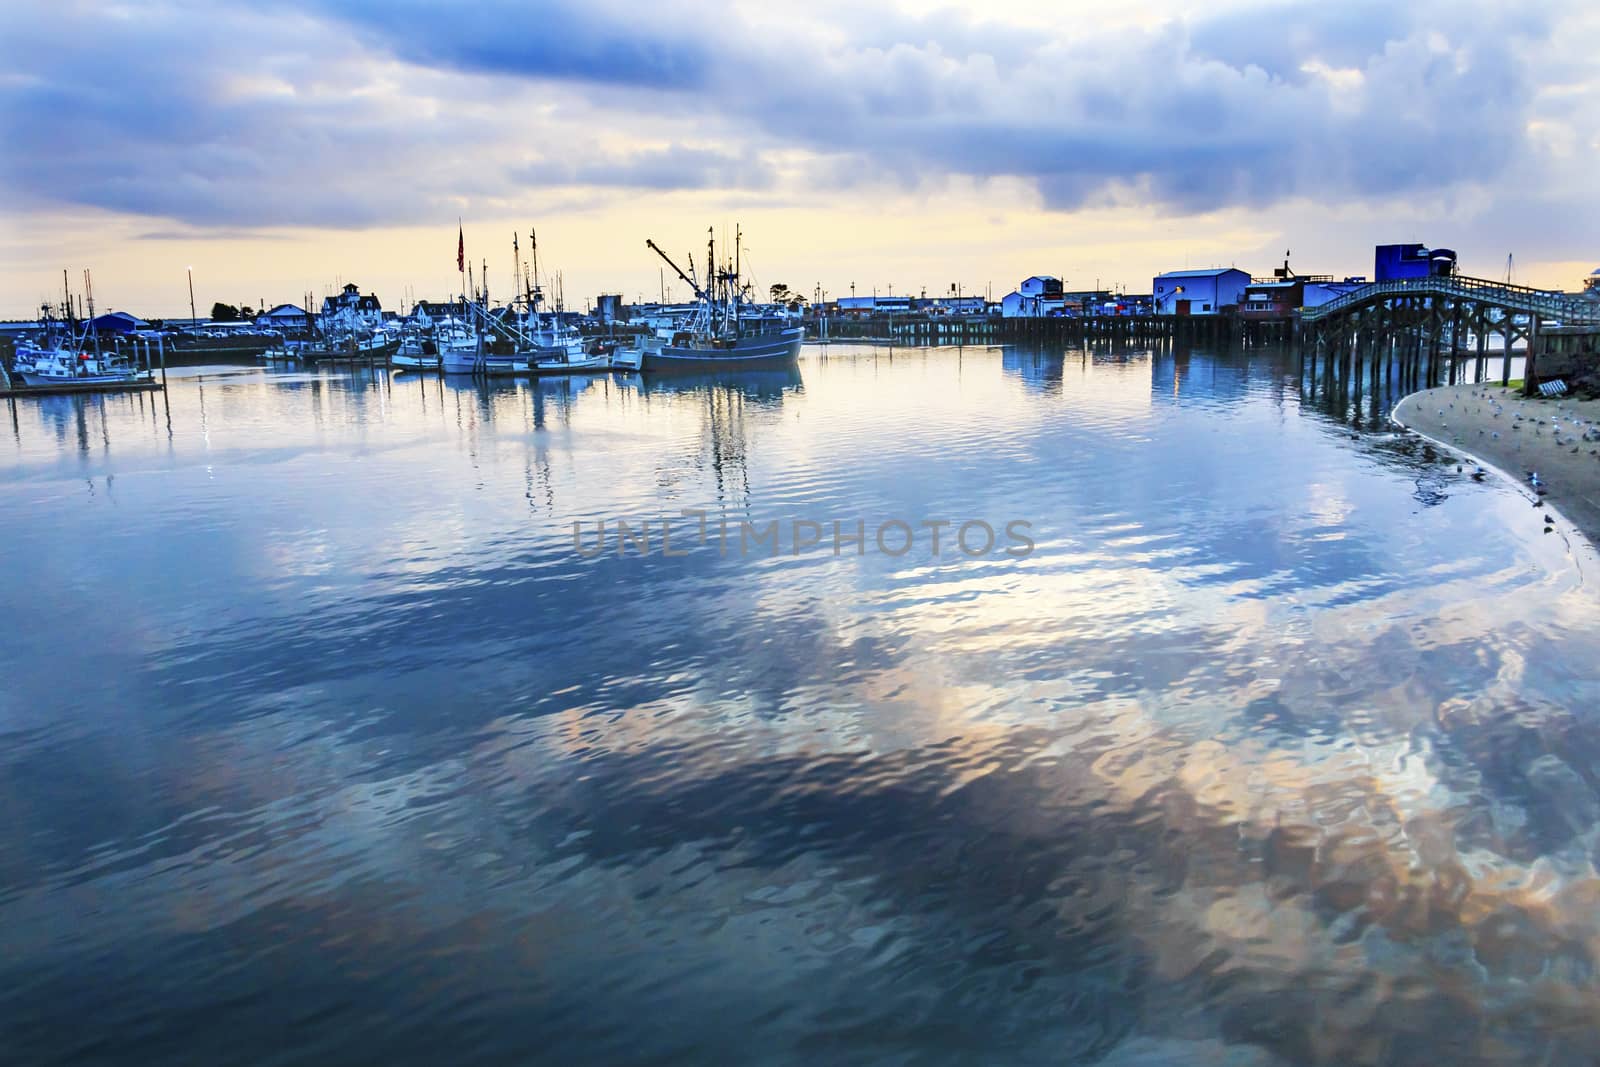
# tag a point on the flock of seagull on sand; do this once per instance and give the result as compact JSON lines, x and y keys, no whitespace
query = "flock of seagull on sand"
{"x":1575,"y":431}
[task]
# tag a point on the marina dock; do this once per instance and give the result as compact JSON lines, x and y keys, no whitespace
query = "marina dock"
{"x":13,"y":391}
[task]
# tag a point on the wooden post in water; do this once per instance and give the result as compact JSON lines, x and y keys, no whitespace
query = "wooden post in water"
{"x":161,"y":347}
{"x":1529,"y":388}
{"x":1434,"y":326}
{"x":1505,"y":359}
{"x":1480,"y":327}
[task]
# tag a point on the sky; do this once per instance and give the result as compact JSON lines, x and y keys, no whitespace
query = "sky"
{"x":280,"y":149}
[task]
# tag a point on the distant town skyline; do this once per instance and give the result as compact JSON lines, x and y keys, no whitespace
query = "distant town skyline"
{"x":286,"y":148}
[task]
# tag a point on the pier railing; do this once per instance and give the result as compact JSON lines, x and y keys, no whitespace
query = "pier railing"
{"x":1518,"y":298}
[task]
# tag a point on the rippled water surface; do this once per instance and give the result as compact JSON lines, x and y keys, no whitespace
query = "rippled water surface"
{"x":321,"y":743}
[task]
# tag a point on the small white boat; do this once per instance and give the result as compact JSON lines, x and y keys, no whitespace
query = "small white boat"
{"x":404,"y":360}
{"x":631,"y":357}
{"x":570,"y":357}
{"x":493,"y":364}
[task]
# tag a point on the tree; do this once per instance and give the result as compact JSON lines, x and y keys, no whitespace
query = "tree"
{"x":221,"y":312}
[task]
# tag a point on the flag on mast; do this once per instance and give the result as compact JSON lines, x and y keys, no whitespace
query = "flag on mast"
{"x":461,"y":250}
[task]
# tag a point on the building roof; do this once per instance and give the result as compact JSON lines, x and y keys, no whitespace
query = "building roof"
{"x":1213,"y":272}
{"x":117,"y":322}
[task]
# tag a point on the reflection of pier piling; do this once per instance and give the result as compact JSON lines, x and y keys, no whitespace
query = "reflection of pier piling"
{"x":919,"y":330}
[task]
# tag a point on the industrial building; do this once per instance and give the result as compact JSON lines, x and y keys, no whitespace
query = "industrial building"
{"x":1198,"y":292}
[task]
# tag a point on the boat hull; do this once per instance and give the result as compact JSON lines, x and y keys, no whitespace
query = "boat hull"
{"x":33,"y":378}
{"x":370,"y":354}
{"x":472,"y":363}
{"x":574,"y":365}
{"x":772,"y":351}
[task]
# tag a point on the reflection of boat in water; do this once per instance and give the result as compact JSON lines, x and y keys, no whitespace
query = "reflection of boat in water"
{"x":722,"y":334}
{"x":754,"y":384}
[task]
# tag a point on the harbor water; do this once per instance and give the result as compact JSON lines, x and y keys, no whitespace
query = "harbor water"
{"x":1258,"y":734}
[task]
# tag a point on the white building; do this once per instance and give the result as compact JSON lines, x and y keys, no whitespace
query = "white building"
{"x":282,"y":317}
{"x":869,"y":305}
{"x":1198,"y":292}
{"x":1037,"y":297}
{"x":352,"y":310}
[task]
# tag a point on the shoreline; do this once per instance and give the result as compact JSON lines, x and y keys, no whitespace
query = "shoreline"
{"x":1499,"y":428}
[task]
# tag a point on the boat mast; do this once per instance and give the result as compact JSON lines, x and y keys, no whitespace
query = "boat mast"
{"x":537,"y":295}
{"x":88,"y":292}
{"x":516,"y":266}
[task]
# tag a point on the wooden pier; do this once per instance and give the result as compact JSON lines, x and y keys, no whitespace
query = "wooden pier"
{"x":1423,"y":332}
{"x":12,"y":391}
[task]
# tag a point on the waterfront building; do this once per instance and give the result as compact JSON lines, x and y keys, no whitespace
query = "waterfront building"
{"x":1281,"y":296}
{"x":1037,"y":297}
{"x":1198,"y":292}
{"x":425,"y":313}
{"x":117,"y":322}
{"x":1394,"y":262}
{"x":348,"y":303}
{"x":874,"y":305}
{"x":282,"y":317}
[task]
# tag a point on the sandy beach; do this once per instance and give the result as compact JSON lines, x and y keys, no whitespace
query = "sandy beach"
{"x":1557,"y":439}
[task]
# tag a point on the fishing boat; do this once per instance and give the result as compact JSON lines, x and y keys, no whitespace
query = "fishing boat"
{"x":492,"y":365}
{"x":569,"y":363}
{"x":66,"y":355}
{"x":63,"y":366}
{"x":722,"y":334}
{"x":417,"y":352}
{"x":377,"y":348}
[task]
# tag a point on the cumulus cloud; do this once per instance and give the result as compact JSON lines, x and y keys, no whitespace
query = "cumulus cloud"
{"x":362,"y":113}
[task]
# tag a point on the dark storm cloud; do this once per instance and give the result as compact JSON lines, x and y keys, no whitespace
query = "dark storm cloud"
{"x":366,"y":113}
